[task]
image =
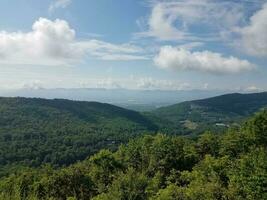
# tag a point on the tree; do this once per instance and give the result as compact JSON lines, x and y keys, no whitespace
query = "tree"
{"x":248,"y":177}
{"x":128,"y":186}
{"x":208,"y":143}
{"x":103,"y":169}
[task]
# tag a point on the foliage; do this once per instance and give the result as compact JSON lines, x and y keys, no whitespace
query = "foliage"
{"x":60,"y":132}
{"x":216,"y":113}
{"x":226,"y":166}
{"x":34,"y":132}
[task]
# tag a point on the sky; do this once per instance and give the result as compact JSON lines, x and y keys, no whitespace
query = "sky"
{"x":134,"y":44}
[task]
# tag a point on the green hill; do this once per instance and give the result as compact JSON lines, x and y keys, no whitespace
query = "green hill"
{"x":213,"y":113}
{"x":37,"y":131}
{"x":60,"y":132}
{"x":231,"y":166}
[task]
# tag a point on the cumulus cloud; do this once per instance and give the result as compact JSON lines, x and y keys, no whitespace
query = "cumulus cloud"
{"x":55,"y":43}
{"x":49,"y":42}
{"x":206,"y":61}
{"x":239,"y":24}
{"x":55,"y":4}
{"x":254,"y":36}
{"x":33,"y":85}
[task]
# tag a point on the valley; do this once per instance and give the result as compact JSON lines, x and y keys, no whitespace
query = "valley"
{"x":34,"y":132}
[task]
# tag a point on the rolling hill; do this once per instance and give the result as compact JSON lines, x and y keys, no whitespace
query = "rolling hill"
{"x":139,"y":100}
{"x":212,"y":113}
{"x":212,"y":166}
{"x":37,"y":131}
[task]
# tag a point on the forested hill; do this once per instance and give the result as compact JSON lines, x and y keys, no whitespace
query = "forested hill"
{"x":37,"y":131}
{"x":212,"y":113}
{"x":60,"y":132}
{"x":236,"y":103}
{"x":230,"y":166}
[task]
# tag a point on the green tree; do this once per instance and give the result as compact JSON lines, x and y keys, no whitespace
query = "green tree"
{"x":128,"y":186}
{"x":103,"y":169}
{"x":208,"y":143}
{"x":248,"y":177}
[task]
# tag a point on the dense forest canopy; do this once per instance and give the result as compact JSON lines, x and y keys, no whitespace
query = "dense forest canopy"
{"x":61,"y":132}
{"x":230,"y":166}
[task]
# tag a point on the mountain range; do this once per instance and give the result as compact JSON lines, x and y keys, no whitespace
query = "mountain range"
{"x":140,"y":100}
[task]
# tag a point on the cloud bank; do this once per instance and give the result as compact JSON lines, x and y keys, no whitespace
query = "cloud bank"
{"x":49,"y":42}
{"x":55,"y":43}
{"x":206,"y":61}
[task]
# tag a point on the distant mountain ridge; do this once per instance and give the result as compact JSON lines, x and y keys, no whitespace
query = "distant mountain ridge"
{"x":139,"y":100}
{"x":216,"y":111}
{"x":36,"y":131}
{"x":242,"y":104}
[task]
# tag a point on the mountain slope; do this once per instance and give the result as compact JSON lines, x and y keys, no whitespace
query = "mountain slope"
{"x":212,"y":113}
{"x":214,"y":167}
{"x":37,"y":131}
{"x":139,"y":100}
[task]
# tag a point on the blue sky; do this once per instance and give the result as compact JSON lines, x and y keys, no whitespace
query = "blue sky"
{"x":135,"y":44}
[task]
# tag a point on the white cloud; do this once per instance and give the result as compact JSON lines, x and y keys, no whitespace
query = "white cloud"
{"x":33,"y":85}
{"x":161,"y":25}
{"x":121,"y":57}
{"x":54,"y":43}
{"x":191,"y":45}
{"x":253,"y":88}
{"x":176,"y":19}
{"x":107,"y":83}
{"x":205,"y":86}
{"x":206,"y":61}
{"x":254,"y":36}
{"x":240,"y":24}
{"x":149,"y":83}
{"x":135,"y":83}
{"x":108,"y":51}
{"x":55,"y":4}
{"x":49,"y":43}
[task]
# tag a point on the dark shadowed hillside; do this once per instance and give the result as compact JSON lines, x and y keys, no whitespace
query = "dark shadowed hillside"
{"x":37,"y":131}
